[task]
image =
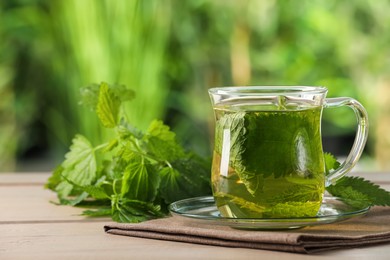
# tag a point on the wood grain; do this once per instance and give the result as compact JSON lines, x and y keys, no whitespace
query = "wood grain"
{"x":32,"y":227}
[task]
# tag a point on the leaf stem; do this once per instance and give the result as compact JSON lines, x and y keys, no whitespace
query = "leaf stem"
{"x":101,"y":146}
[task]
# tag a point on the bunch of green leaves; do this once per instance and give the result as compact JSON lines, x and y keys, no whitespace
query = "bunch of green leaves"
{"x":132,"y":177}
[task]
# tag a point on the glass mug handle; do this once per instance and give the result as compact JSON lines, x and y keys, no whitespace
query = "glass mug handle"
{"x":360,"y":138}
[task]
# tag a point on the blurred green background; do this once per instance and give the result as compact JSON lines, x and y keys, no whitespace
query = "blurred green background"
{"x":170,"y":52}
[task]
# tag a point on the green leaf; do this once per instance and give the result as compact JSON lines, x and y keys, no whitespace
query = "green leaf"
{"x":80,"y":162}
{"x":360,"y":192}
{"x":136,"y":207}
{"x":73,"y":201}
{"x":89,"y":96}
{"x":187,"y":177}
{"x":159,"y":129}
{"x":236,"y":124}
{"x":170,"y":189}
{"x":126,"y":131}
{"x":161,"y":142}
{"x":133,"y":211}
{"x":352,"y":197}
{"x":107,"y":169}
{"x":293,"y":209}
{"x":279,"y":210}
{"x":122,"y":92}
{"x":101,"y":212}
{"x":108,"y":106}
{"x":96,"y":192}
{"x":262,"y":146}
{"x":140,"y":180}
{"x":122,"y":216}
{"x":55,"y":178}
{"x":238,"y":139}
{"x":331,"y":163}
{"x":79,"y":167}
{"x":63,"y":190}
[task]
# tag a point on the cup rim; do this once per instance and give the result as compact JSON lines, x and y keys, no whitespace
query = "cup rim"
{"x":267,"y":90}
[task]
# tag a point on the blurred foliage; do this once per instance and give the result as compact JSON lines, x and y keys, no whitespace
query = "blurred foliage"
{"x":170,"y":52}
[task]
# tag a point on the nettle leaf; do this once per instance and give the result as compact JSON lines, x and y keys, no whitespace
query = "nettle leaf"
{"x":170,"y":189}
{"x":79,"y":167}
{"x":89,"y":96}
{"x":108,"y":106}
{"x":140,"y":180}
{"x":331,"y":163}
{"x":133,"y":211}
{"x":351,"y":196}
{"x":161,"y":142}
{"x":123,"y":92}
{"x":235,"y":123}
{"x":159,"y":129}
{"x":107,"y":169}
{"x":63,"y":190}
{"x":293,"y":209}
{"x":73,"y":201}
{"x":55,"y":178}
{"x":95,"y":191}
{"x":101,"y":212}
{"x":126,"y":152}
{"x":80,"y":162}
{"x":262,"y":146}
{"x":126,"y":131}
{"x":187,"y":177}
{"x":360,"y":190}
{"x":238,"y":126}
{"x":269,"y":140}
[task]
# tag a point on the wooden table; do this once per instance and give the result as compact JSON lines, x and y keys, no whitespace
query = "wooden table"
{"x":33,"y":228}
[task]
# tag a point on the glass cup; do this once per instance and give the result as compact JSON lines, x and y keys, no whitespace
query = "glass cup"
{"x":268,"y":160}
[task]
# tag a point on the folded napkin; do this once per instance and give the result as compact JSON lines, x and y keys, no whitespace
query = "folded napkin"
{"x":371,"y":229}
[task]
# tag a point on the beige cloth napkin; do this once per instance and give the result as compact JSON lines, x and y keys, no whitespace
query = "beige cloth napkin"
{"x":371,"y":229}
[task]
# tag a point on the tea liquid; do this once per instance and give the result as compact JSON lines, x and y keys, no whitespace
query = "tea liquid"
{"x":268,"y":164}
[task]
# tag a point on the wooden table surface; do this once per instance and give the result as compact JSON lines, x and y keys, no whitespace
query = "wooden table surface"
{"x":33,"y":228}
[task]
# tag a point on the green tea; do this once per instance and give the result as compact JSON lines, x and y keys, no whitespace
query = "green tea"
{"x":268,"y":164}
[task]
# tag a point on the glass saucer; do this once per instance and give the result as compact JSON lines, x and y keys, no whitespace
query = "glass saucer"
{"x":204,"y":210}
